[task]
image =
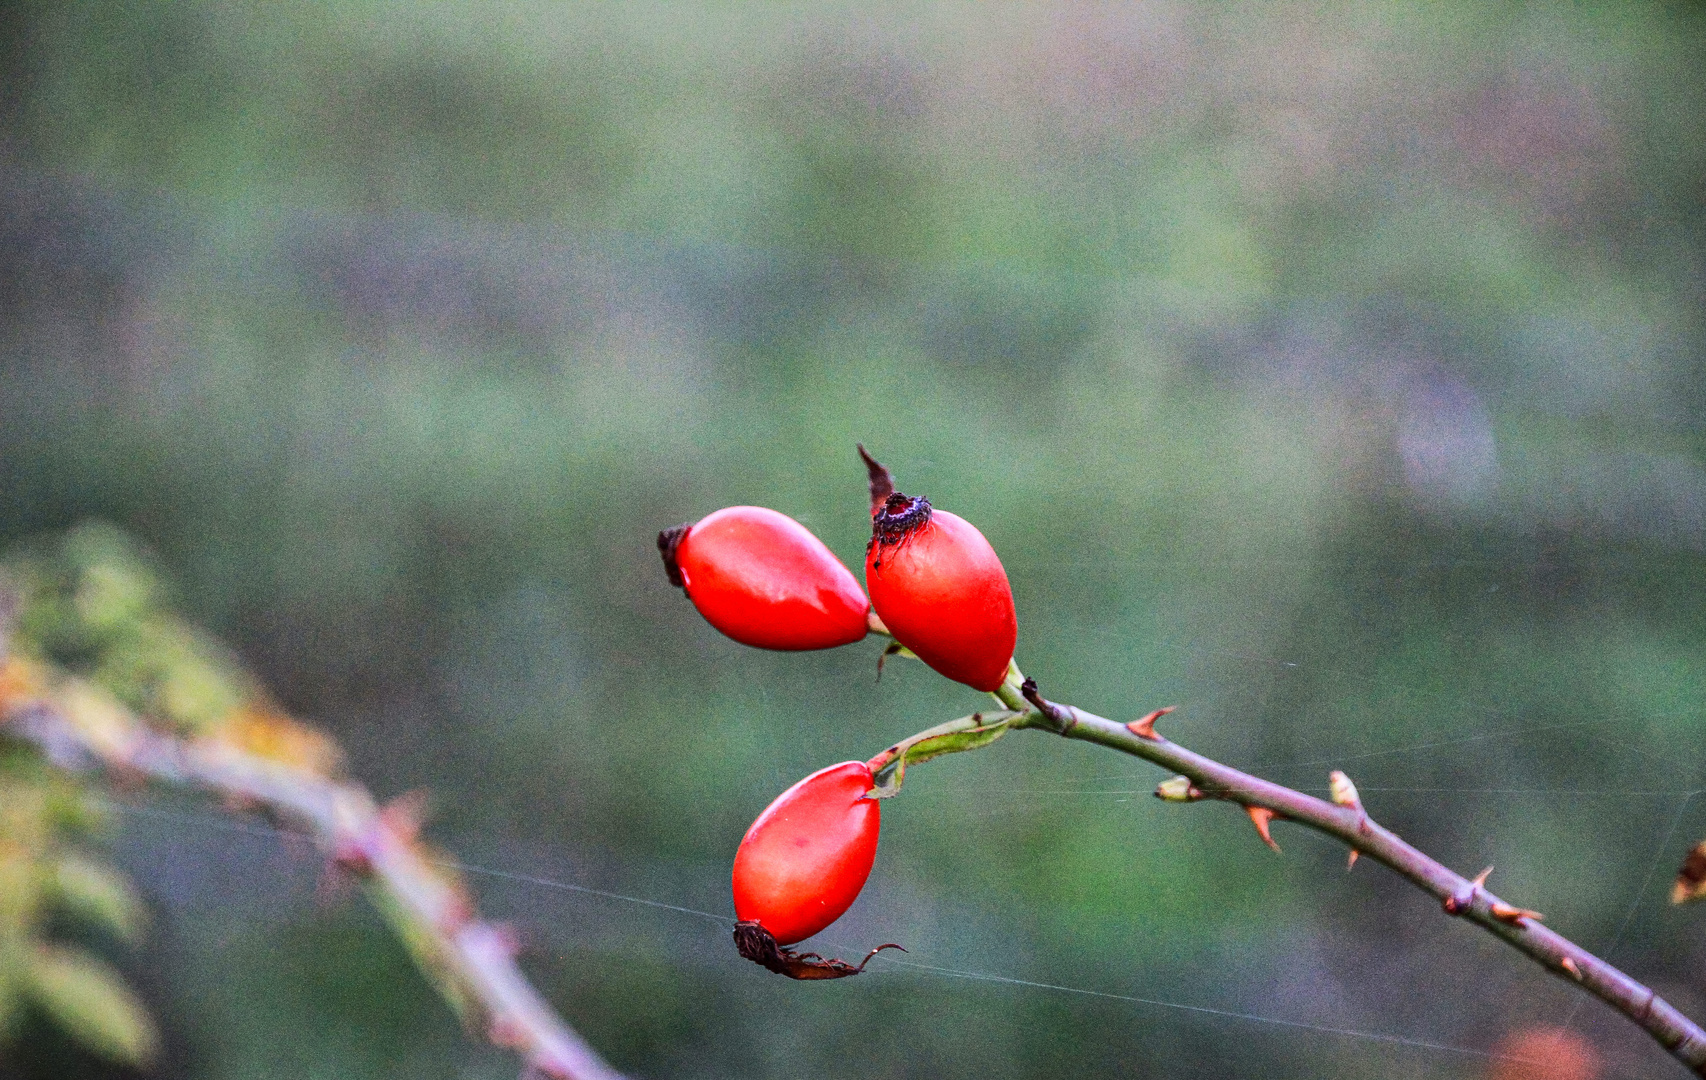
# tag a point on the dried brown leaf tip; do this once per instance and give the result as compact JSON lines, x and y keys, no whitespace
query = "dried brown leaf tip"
{"x":1144,"y":727}
{"x":882,"y":481}
{"x":756,"y":944}
{"x":1691,"y":879}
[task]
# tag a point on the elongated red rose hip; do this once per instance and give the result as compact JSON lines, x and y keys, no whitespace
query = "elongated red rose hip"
{"x":803,"y":862}
{"x":763,"y":579}
{"x":940,"y":589}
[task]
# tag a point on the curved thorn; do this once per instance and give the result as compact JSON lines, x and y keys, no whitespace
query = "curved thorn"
{"x":1262,"y":817}
{"x":1144,"y":727}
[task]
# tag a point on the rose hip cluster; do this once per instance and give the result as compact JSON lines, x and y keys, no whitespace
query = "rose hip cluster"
{"x":760,"y":577}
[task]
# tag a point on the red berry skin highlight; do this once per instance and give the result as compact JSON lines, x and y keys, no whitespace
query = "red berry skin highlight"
{"x":803,"y":862}
{"x":940,"y":589}
{"x":763,"y":579}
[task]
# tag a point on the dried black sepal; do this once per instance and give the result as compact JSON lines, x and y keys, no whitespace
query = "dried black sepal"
{"x":668,"y":541}
{"x":882,"y":481}
{"x":900,"y":517}
{"x":756,"y":944}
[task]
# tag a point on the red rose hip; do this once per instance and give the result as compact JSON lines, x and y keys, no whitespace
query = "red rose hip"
{"x":803,"y":862}
{"x":763,"y":579}
{"x":940,"y":589}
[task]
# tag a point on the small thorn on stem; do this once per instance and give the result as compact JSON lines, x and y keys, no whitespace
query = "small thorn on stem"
{"x":1144,"y":727}
{"x":882,"y":481}
{"x":1351,"y":861}
{"x":1572,"y":967}
{"x":1262,"y":817}
{"x":1458,"y":903}
{"x":1514,"y":915}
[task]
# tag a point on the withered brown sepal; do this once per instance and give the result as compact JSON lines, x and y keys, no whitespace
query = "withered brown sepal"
{"x":882,"y":481}
{"x":756,"y":944}
{"x":668,"y":541}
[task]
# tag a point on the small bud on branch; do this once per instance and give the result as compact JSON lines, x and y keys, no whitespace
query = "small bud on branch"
{"x":1178,"y":789}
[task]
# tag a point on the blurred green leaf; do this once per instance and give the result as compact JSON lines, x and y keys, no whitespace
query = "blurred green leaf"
{"x":9,"y":997}
{"x":88,"y":999}
{"x":114,"y":587}
{"x":98,"y":894}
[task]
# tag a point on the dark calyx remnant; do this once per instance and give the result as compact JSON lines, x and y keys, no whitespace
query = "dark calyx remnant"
{"x":882,"y":481}
{"x":899,"y":517}
{"x":756,"y":944}
{"x":668,"y":541}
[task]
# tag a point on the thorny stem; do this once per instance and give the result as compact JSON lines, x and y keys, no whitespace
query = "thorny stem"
{"x":77,"y":726}
{"x":1464,"y":897}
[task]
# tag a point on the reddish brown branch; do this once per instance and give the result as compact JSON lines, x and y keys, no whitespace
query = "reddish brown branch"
{"x":1466,"y":898}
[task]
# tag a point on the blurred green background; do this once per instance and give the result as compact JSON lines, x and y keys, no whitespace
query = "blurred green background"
{"x":1333,"y":372}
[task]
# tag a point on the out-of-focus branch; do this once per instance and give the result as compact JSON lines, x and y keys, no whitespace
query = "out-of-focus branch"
{"x":79,"y":726}
{"x":1345,"y":819}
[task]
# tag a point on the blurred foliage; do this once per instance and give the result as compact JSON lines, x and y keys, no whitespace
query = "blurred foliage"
{"x":42,"y":876}
{"x":88,"y":601}
{"x":1330,"y":370}
{"x":90,"y":640}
